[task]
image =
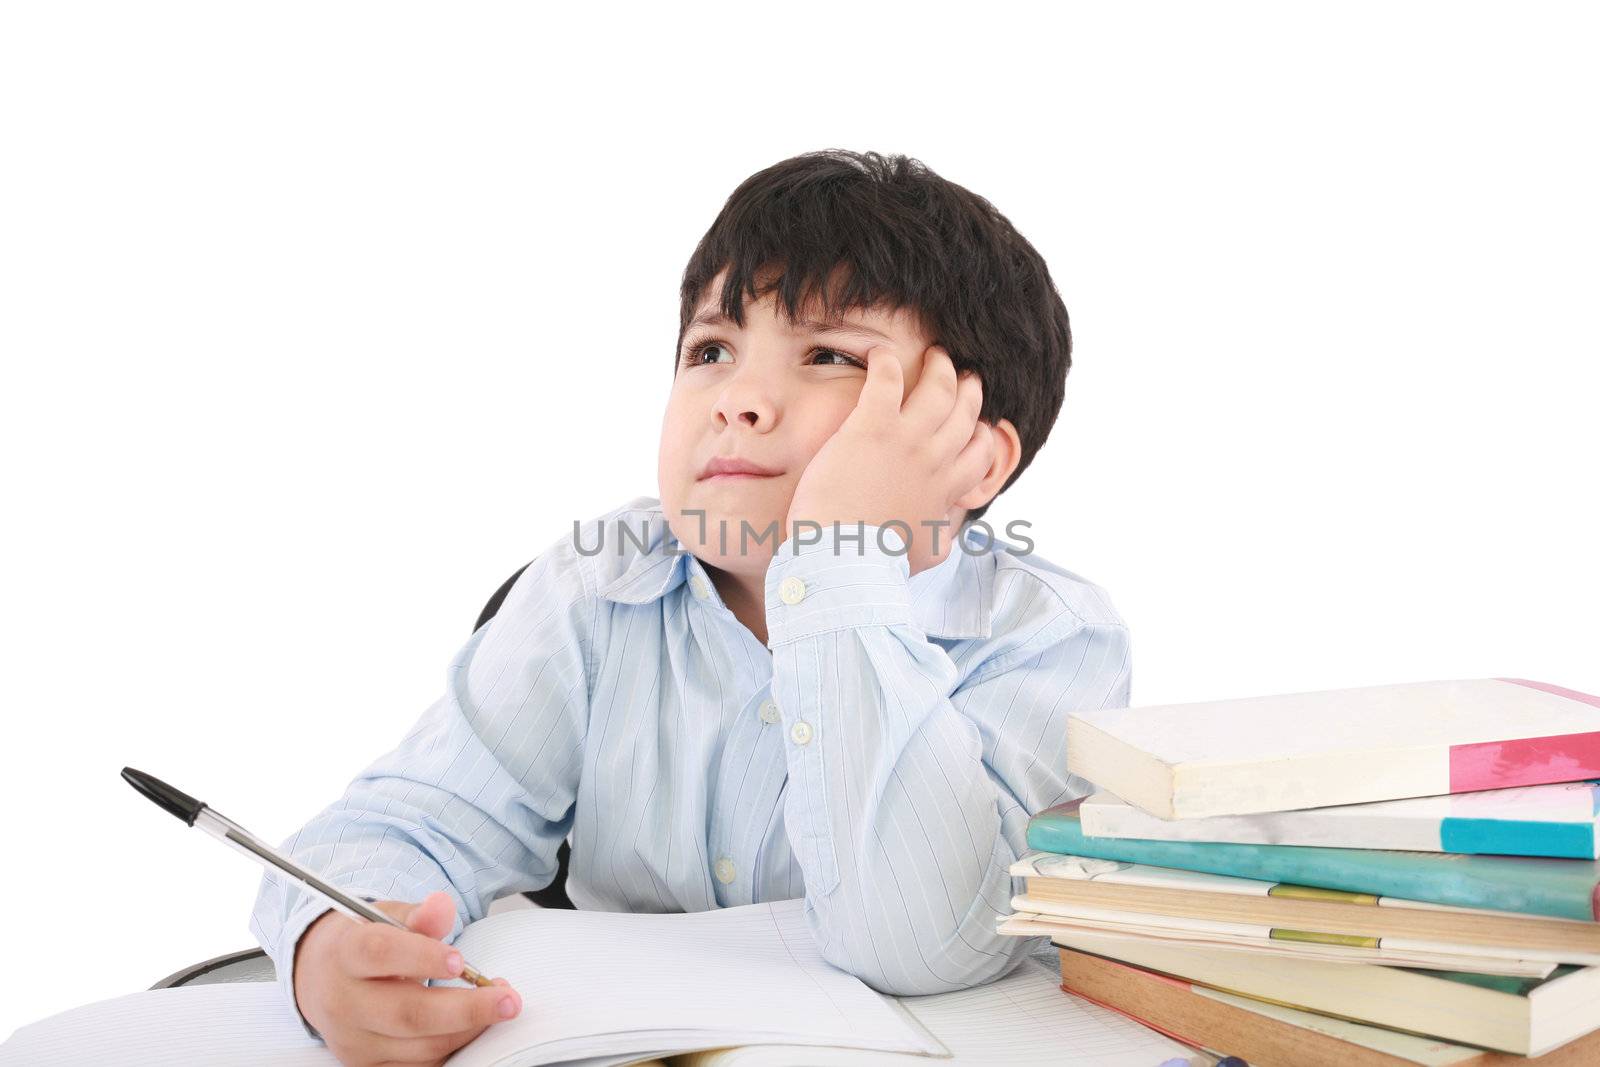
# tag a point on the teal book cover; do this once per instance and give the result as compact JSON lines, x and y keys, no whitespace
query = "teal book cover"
{"x":1529,"y":885}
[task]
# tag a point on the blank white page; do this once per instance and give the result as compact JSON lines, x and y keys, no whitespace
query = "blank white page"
{"x":597,"y":982}
{"x":1022,"y":1020}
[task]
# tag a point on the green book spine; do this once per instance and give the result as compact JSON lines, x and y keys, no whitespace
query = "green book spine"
{"x":1529,"y":885}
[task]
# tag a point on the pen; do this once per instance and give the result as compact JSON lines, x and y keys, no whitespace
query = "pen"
{"x":231,"y":833}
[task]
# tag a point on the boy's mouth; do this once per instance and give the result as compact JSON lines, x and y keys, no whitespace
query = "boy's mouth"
{"x":728,"y":467}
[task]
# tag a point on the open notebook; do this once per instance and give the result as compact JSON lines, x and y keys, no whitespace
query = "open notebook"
{"x":609,"y":988}
{"x":1021,"y":1020}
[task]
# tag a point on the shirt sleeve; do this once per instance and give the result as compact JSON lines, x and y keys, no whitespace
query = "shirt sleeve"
{"x":910,"y":788}
{"x":478,"y":796}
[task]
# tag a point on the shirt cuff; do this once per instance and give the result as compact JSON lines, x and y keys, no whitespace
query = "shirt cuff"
{"x":308,"y":910}
{"x":850,"y":575}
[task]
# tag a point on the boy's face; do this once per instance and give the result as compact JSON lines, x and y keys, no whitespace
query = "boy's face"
{"x":770,"y":394}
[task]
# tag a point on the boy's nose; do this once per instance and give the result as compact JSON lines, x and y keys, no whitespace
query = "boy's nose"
{"x":743,"y":402}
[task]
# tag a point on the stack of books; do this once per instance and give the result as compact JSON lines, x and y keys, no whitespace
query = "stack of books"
{"x":1402,"y":874}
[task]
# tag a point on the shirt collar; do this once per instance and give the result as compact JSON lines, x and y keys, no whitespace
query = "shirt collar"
{"x":952,"y":600}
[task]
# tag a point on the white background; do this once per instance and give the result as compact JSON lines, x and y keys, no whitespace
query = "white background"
{"x":318,"y":320}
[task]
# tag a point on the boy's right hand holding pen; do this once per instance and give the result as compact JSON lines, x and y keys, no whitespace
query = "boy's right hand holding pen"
{"x":359,"y":969}
{"x":359,"y":984}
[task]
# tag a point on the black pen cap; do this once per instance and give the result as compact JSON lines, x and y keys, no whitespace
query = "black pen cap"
{"x":176,"y":801}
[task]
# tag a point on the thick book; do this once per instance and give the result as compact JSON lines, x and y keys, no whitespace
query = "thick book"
{"x":1339,"y":746}
{"x":1539,"y":820}
{"x":1297,"y":910}
{"x":1528,"y":885}
{"x":1527,"y":1016}
{"x":1265,"y":1034}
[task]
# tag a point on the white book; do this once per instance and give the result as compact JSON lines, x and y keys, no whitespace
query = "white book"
{"x":1022,"y":1020}
{"x":603,"y":989}
{"x":1340,"y":746}
{"x":1537,"y":820}
{"x":1238,"y":937}
{"x":606,"y":987}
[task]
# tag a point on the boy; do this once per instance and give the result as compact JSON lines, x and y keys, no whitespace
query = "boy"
{"x":781,"y":679}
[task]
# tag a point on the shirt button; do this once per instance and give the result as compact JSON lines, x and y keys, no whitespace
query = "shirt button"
{"x":800,"y":732}
{"x":792,"y":590}
{"x":769,"y":712}
{"x":724,"y":870}
{"x":698,"y":586}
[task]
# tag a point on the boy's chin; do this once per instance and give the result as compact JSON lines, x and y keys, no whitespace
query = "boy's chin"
{"x":750,"y":558}
{"x":718,"y":533}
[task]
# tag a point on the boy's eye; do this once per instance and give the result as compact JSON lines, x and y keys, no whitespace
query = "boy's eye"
{"x":848,"y":361}
{"x":697,"y":354}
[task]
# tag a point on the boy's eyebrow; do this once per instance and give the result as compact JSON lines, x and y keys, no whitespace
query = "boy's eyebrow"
{"x":715,"y":317}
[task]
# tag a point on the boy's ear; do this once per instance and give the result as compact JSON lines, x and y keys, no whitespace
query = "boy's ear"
{"x":1007,"y":453}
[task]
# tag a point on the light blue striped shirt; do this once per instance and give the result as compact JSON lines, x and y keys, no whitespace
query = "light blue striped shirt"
{"x":881,"y":760}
